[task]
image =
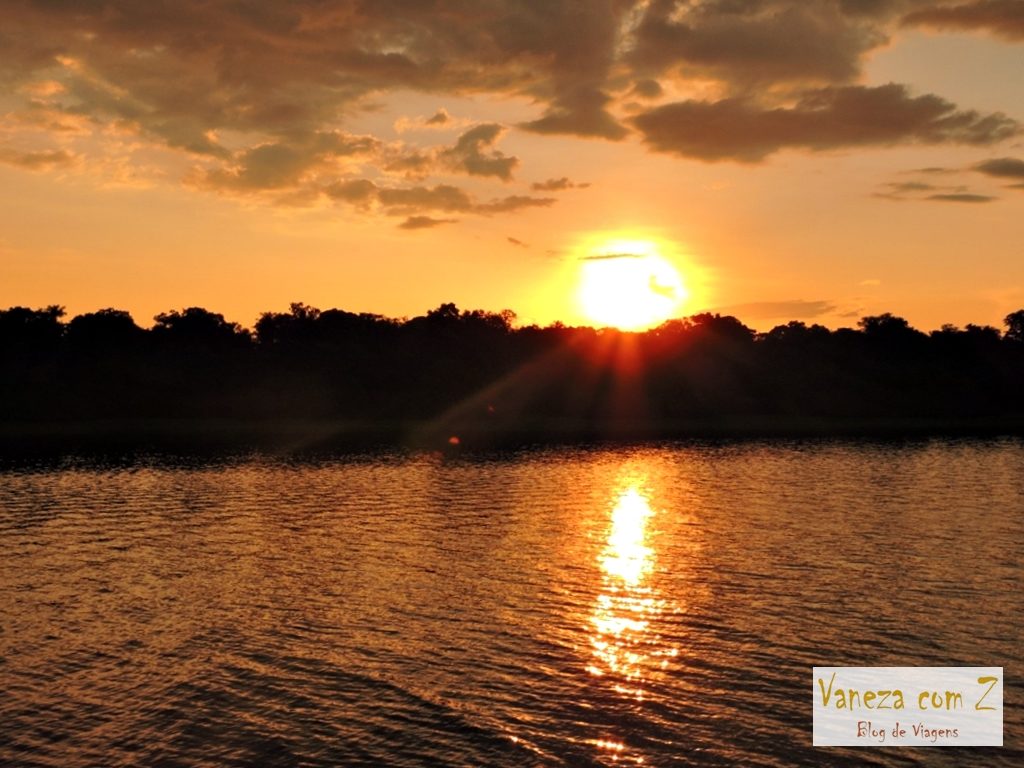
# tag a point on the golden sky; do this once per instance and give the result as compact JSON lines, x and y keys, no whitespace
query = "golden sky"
{"x":813,"y":159}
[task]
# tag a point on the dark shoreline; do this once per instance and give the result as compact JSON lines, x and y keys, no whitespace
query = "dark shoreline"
{"x":298,"y":435}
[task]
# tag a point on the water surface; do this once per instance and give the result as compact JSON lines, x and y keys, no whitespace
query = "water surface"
{"x":658,"y":605}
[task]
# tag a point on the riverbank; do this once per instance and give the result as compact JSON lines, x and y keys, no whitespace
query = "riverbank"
{"x":288,"y":435}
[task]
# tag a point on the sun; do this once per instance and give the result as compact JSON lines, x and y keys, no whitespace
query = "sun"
{"x":629,"y":286}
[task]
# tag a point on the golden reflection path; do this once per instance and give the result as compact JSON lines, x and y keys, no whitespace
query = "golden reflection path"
{"x":625,"y":648}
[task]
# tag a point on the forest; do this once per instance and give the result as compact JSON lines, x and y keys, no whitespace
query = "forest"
{"x":455,"y":372}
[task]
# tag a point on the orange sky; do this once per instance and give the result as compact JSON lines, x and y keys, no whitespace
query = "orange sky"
{"x":815,"y":160}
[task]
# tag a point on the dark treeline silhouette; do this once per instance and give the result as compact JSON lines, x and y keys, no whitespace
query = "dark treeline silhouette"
{"x":466,"y":370}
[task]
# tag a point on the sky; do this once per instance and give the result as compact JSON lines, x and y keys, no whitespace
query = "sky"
{"x":814,"y":160}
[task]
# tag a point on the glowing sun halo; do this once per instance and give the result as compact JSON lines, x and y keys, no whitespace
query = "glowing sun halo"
{"x":630,"y":290}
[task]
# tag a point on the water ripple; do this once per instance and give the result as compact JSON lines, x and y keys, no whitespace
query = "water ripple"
{"x":657,"y":605}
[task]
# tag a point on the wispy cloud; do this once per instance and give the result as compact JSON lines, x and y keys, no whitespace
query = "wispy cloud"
{"x":424,"y":222}
{"x":795,"y":309}
{"x":961,"y":197}
{"x":557,"y":185}
{"x":38,"y":160}
{"x":1004,"y":18}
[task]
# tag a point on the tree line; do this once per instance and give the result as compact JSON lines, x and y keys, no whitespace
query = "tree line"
{"x":469,"y":368}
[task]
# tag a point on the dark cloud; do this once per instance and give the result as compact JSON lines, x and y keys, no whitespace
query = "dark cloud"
{"x":746,"y":43}
{"x":439,"y":118}
{"x":961,"y":197}
{"x":828,"y":118}
{"x":585,"y":115}
{"x":557,"y":185}
{"x":767,"y":310}
{"x":580,"y":43}
{"x":647,"y":89}
{"x":517,"y":242}
{"x":1002,"y":167}
{"x":1004,"y":18}
{"x":424,"y":222}
{"x":871,"y":8}
{"x":472,"y":154}
{"x":356,"y":191}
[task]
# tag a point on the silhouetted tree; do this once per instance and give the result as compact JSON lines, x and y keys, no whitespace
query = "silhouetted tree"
{"x":1014,"y":326}
{"x":28,"y":332}
{"x":199,"y":328}
{"x":308,"y":363}
{"x":107,"y":330}
{"x":294,"y":327}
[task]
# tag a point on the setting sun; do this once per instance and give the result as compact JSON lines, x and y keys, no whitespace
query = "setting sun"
{"x":627,"y":285}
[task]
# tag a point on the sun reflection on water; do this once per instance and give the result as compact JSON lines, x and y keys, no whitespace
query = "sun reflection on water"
{"x":624,"y":648}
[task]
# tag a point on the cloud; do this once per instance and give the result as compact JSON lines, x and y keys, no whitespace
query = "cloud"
{"x":1003,"y":18}
{"x":961,"y":197}
{"x":472,"y":154}
{"x":441,"y":117}
{"x":415,"y":164}
{"x":440,"y":120}
{"x":920,"y":190}
{"x":909,"y":186}
{"x":828,"y":118}
{"x":513,"y":203}
{"x":279,"y":164}
{"x":766,"y":310}
{"x":647,"y":88}
{"x":1002,"y":167}
{"x":745,"y":44}
{"x":44,"y":160}
{"x":556,"y":185}
{"x":443,"y":197}
{"x":517,"y":242}
{"x":580,"y":46}
{"x":424,"y":222}
{"x":412,"y":201}
{"x":582,"y":113}
{"x":357,"y":191}
{"x":184,"y":75}
{"x":399,"y":201}
{"x":258,"y":96}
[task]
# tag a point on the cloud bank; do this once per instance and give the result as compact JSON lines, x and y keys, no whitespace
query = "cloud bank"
{"x":260,"y":97}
